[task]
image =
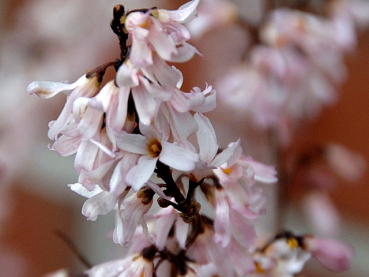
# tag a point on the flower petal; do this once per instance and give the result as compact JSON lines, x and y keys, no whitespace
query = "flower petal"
{"x":178,"y":157}
{"x":141,"y":173}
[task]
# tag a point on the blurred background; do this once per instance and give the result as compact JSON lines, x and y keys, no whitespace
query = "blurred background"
{"x":59,"y":41}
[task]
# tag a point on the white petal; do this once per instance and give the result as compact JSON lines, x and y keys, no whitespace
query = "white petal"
{"x":146,"y":105}
{"x":184,"y":14}
{"x":229,"y":155}
{"x":99,"y":204}
{"x":66,"y":146}
{"x":81,"y":190}
{"x":163,"y":226}
{"x":127,"y":76}
{"x":178,"y":157}
{"x":181,"y":228}
{"x":46,"y":89}
{"x":141,"y":173}
{"x":133,"y":143}
{"x":206,"y":138}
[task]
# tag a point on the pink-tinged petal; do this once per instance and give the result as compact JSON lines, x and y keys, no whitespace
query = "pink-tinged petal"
{"x":183,"y":53}
{"x":157,"y":91}
{"x":333,"y":254}
{"x":207,"y":104}
{"x":182,"y":229}
{"x":61,"y":122}
{"x":85,"y":88}
{"x":127,"y":75}
{"x":140,"y":55}
{"x":116,"y":113}
{"x":117,"y":182}
{"x":46,"y":89}
{"x":347,"y":164}
{"x":321,"y":213}
{"x":178,"y":32}
{"x":82,"y":190}
{"x":141,"y":173}
{"x":243,"y":263}
{"x":222,"y":226}
{"x":162,"y":43}
{"x":99,"y":204}
{"x":206,"y":138}
{"x":178,"y":157}
{"x":132,"y":212}
{"x":118,"y":234}
{"x":179,"y":101}
{"x":66,"y":146}
{"x":182,"y":124}
{"x":157,"y":189}
{"x":95,"y":176}
{"x":162,"y":73}
{"x":263,"y":173}
{"x":229,"y":155}
{"x":103,"y":148}
{"x":243,"y":230}
{"x":163,"y":225}
{"x":106,"y":95}
{"x":86,"y":156}
{"x":146,"y":105}
{"x":133,"y":143}
{"x":134,"y":21}
{"x":90,"y":123}
{"x":184,"y":14}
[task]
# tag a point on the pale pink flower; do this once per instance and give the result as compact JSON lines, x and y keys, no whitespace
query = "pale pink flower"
{"x":332,"y":254}
{"x":134,"y":265}
{"x":208,"y":148}
{"x":345,"y":163}
{"x":166,"y":219}
{"x":212,"y":256}
{"x":281,"y":258}
{"x":212,"y":14}
{"x":160,"y":31}
{"x":99,"y":202}
{"x":83,"y":87}
{"x":161,"y":83}
{"x":130,"y":215}
{"x":153,"y":147}
{"x":321,"y":213}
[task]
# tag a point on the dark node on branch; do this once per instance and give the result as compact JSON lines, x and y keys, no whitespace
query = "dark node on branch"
{"x":117,"y":25}
{"x":149,"y":252}
{"x":99,"y":71}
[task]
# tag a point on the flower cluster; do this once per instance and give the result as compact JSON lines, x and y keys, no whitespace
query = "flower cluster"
{"x":294,"y":63}
{"x":140,"y":138}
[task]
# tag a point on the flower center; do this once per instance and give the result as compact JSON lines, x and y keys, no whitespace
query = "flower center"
{"x":292,"y":243}
{"x":154,"y":148}
{"x":227,"y":170}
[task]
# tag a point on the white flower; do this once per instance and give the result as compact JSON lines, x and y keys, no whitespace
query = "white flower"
{"x":153,"y":147}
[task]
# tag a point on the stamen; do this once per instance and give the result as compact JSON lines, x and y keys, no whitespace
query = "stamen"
{"x":227,"y":170}
{"x":292,"y":243}
{"x":154,"y":148}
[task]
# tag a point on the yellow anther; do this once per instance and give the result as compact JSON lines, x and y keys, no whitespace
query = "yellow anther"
{"x":292,"y":243}
{"x":154,"y":148}
{"x":227,"y":170}
{"x":259,"y":269}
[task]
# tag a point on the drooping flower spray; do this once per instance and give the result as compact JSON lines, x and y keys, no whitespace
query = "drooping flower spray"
{"x":140,"y":141}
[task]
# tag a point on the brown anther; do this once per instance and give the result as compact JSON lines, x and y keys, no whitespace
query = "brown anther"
{"x":154,"y":148}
